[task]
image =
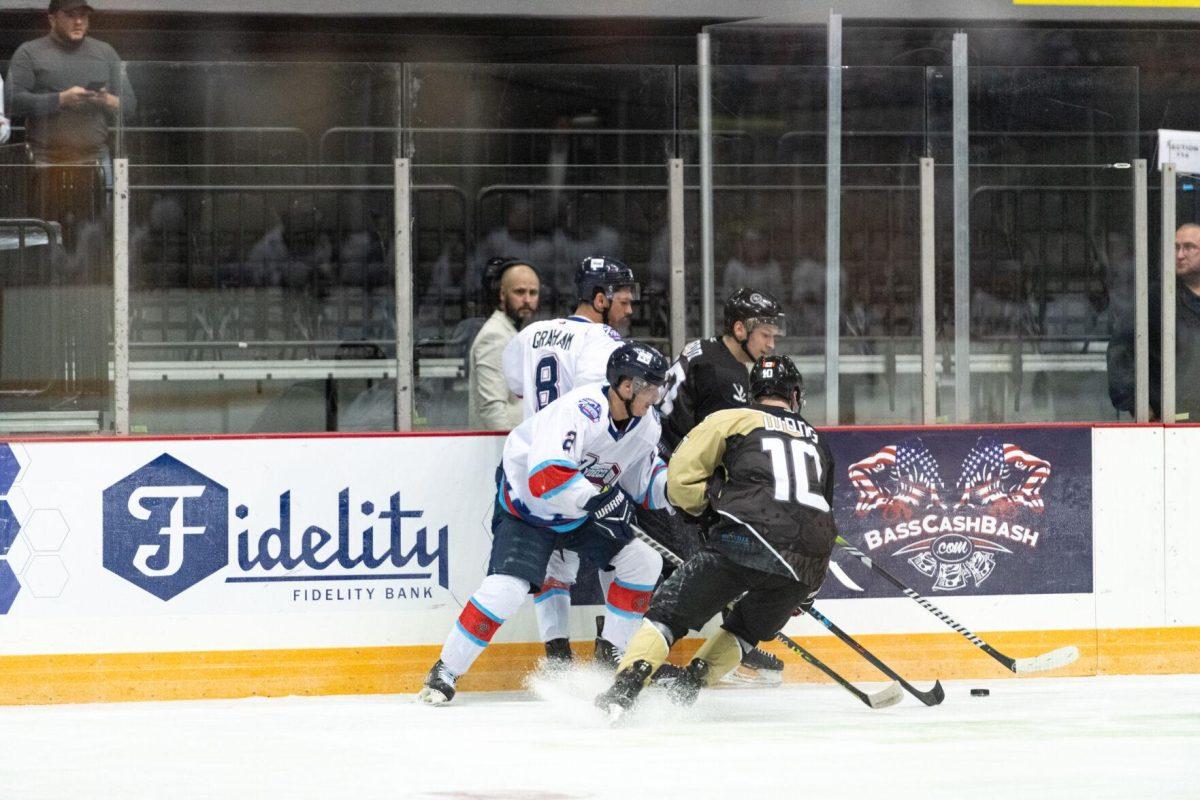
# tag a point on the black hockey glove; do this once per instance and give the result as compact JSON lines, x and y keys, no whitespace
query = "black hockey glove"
{"x":611,"y":513}
{"x":805,"y":606}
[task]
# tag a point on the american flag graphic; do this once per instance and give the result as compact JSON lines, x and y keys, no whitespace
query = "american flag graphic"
{"x":996,"y":471}
{"x":904,"y":473}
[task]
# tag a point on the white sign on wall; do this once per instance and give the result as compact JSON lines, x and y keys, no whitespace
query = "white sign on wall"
{"x":1181,"y":148}
{"x":154,"y":528}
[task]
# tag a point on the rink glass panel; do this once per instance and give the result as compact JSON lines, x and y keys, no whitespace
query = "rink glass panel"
{"x":261,"y":298}
{"x":550,"y":164}
{"x":56,"y":296}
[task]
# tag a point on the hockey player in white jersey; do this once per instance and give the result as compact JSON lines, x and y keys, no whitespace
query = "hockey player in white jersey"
{"x":569,"y":479}
{"x":547,"y":360}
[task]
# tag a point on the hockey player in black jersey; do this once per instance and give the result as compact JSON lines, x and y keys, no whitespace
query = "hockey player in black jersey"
{"x":768,"y":476}
{"x":712,"y":375}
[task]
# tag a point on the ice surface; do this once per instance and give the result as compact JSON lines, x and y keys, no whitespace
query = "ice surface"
{"x":1110,"y":737}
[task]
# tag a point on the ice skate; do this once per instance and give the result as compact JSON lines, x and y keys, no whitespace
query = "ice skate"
{"x":687,"y":686}
{"x":606,"y":655}
{"x":439,"y":686}
{"x":758,"y":668}
{"x":620,"y":697}
{"x":558,"y":656}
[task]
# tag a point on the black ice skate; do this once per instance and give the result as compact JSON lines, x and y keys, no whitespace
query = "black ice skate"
{"x":758,"y":668}
{"x":687,"y":686}
{"x":666,"y":675}
{"x":558,"y":654}
{"x":628,"y":684}
{"x":439,"y":686}
{"x":606,"y":654}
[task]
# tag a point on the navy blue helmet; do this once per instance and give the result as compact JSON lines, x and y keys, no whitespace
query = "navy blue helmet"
{"x":604,"y":275}
{"x":641,"y":362}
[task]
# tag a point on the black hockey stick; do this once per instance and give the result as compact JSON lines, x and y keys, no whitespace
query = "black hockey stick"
{"x":1051,"y":660}
{"x":931,"y":698}
{"x":881,"y":699}
{"x":888,"y":696}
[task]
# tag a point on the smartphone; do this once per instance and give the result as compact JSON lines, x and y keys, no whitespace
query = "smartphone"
{"x":97,"y":86}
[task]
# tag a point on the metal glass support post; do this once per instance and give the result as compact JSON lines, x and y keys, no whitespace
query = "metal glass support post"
{"x":833,"y":220}
{"x":404,"y":292}
{"x":401,"y":73}
{"x":675,"y":234}
{"x":1167,"y":400}
{"x":1141,"y":275}
{"x":962,"y":235}
{"x":121,"y":296}
{"x":928,"y":307}
{"x":707,"y":272}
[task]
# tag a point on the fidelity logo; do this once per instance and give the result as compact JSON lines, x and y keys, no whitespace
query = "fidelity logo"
{"x":166,"y":527}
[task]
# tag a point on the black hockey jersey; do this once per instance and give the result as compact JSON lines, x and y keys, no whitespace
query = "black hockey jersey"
{"x":773,"y":482}
{"x":705,"y":378}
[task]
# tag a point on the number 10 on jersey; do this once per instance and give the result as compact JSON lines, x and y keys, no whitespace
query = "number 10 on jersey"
{"x":797,"y":477}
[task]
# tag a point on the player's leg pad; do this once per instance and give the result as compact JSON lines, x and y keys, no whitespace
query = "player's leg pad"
{"x":648,"y":645}
{"x":723,"y":652}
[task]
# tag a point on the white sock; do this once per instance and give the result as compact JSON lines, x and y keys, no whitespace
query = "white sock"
{"x":496,"y":599}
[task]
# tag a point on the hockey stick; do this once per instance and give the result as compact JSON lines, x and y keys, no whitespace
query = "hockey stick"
{"x":888,"y":696}
{"x":1051,"y":660}
{"x":881,"y":699}
{"x":931,"y":698}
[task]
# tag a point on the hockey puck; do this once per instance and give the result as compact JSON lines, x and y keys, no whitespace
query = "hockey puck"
{"x":980,"y":692}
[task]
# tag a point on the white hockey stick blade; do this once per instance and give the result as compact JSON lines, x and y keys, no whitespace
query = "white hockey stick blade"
{"x":1052,"y":660}
{"x":888,"y":697}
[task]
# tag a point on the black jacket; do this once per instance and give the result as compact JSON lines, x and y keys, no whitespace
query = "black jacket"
{"x":1187,"y":357}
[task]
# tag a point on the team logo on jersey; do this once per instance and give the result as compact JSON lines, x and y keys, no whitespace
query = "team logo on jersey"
{"x":591,"y":409}
{"x":599,"y":473}
{"x":165,"y":527}
{"x":739,"y":393}
{"x":999,"y":499}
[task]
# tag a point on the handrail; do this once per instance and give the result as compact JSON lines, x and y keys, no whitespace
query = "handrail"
{"x":53,"y":230}
{"x":341,"y":129}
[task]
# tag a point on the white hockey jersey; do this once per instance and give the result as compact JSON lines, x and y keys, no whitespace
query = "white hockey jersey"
{"x":550,"y":358}
{"x":557,"y":460}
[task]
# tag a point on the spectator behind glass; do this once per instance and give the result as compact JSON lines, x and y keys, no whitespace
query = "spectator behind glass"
{"x":752,"y":266}
{"x":1187,"y":338}
{"x":515,"y":286}
{"x":70,"y":89}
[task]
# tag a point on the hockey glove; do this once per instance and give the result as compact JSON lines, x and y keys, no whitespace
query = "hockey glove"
{"x":612,"y":514}
{"x":806,"y":605}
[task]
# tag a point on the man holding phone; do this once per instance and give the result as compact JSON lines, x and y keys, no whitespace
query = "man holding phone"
{"x":70,"y":89}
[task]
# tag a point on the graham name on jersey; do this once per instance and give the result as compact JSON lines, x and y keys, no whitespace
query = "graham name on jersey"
{"x":552,"y":338}
{"x":935,"y":524}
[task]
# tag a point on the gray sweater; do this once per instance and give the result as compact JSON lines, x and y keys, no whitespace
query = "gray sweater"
{"x":42,"y":68}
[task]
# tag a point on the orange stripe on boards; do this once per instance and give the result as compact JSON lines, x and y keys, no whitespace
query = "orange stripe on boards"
{"x":117,"y":677}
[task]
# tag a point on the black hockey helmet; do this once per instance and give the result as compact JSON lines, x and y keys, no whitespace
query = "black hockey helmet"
{"x":753,"y":307}
{"x":777,"y":376}
{"x":604,"y":275}
{"x":493,"y":273}
{"x":641,"y":362}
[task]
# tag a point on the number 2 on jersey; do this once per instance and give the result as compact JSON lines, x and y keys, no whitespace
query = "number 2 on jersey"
{"x":546,"y":381}
{"x":802,"y":471}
